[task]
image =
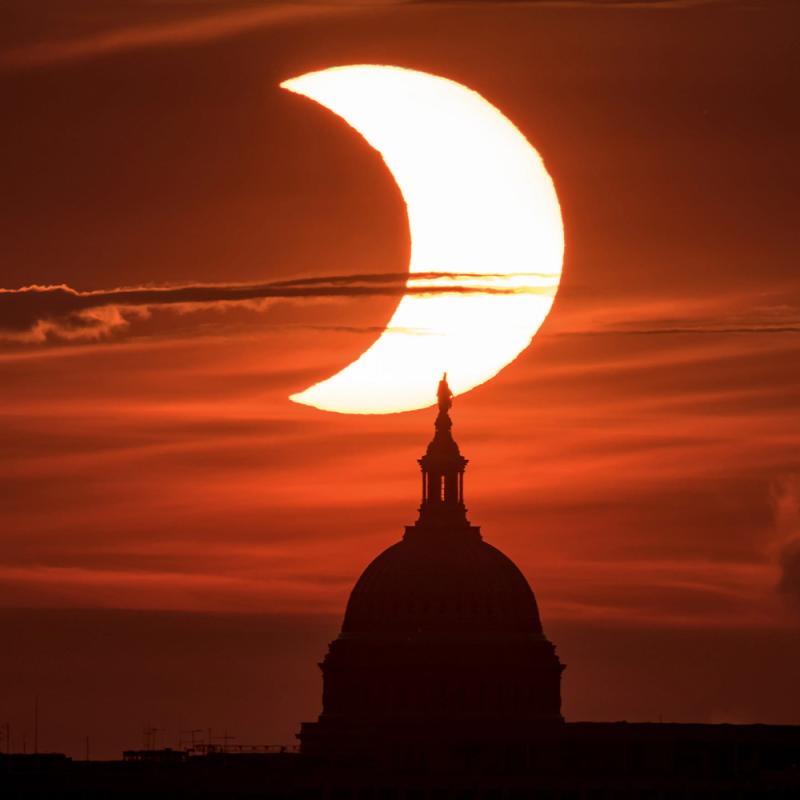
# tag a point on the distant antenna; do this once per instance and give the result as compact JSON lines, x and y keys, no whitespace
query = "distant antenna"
{"x":191,"y":732}
{"x":36,"y":724}
{"x":149,"y":734}
{"x":226,"y":740}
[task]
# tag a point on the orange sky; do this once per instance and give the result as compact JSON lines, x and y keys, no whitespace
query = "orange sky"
{"x":639,"y":461}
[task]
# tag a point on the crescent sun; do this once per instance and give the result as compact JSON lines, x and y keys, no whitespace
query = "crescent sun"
{"x":480,"y":202}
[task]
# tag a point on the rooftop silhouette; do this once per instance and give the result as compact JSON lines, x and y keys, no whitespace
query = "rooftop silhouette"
{"x":442,"y":683}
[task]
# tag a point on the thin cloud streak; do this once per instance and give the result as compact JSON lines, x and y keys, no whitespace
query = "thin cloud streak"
{"x":383,"y":277}
{"x":710,"y":328}
{"x":183,"y":32}
{"x":224,"y":25}
{"x":721,"y":314}
{"x":38,"y":313}
{"x":610,"y":4}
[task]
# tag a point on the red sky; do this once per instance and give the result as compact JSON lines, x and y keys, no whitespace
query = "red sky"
{"x":639,"y":461}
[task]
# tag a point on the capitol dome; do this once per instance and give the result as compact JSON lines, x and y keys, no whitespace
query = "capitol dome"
{"x":438,"y":584}
{"x":441,"y":644}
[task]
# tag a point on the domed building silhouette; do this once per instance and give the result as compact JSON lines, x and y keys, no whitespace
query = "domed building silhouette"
{"x":442,"y":684}
{"x":442,"y":643}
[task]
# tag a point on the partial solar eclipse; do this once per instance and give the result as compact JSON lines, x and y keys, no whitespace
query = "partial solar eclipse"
{"x":480,"y":202}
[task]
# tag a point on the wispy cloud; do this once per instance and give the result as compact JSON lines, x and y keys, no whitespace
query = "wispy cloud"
{"x":168,"y":34}
{"x":38,"y":313}
{"x":786,"y":507}
{"x":220,"y":25}
{"x":601,"y":4}
{"x":611,"y":4}
{"x":668,"y":328}
{"x":724,"y":313}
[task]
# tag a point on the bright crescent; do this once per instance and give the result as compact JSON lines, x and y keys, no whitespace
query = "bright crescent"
{"x":480,"y":202}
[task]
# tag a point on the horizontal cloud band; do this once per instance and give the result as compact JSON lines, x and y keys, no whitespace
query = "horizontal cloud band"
{"x":34,"y":313}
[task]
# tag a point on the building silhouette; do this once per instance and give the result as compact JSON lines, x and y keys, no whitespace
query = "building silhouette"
{"x":442,"y":684}
{"x":441,"y":645}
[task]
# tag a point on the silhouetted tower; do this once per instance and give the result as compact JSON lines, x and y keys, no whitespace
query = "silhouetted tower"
{"x":441,"y":651}
{"x":443,"y":470}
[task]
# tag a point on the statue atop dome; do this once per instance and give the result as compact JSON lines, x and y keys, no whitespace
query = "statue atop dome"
{"x":444,"y":395}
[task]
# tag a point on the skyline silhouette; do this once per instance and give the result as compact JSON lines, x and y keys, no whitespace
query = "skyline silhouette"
{"x":186,"y":244}
{"x":441,"y":681}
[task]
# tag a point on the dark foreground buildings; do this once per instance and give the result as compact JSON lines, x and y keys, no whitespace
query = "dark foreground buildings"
{"x":442,"y":684}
